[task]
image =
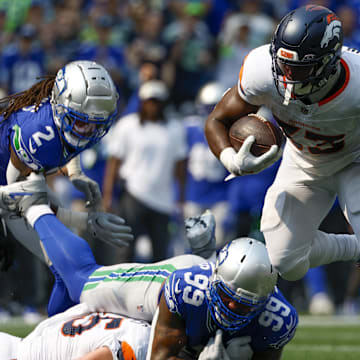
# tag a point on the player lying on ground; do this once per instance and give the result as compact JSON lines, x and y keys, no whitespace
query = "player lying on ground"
{"x":80,"y":334}
{"x":237,"y":295}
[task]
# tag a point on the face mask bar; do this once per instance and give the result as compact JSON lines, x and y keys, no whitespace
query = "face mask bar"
{"x":225,"y":318}
{"x":299,"y":79}
{"x":73,"y":122}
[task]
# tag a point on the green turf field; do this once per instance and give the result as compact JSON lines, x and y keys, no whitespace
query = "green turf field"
{"x":320,"y":338}
{"x":317,"y":338}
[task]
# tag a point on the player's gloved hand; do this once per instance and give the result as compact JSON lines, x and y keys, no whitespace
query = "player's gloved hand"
{"x":239,"y":348}
{"x":245,"y":163}
{"x":214,"y":349}
{"x":109,"y":228}
{"x":89,"y":187}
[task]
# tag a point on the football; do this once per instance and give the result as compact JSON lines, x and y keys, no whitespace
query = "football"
{"x":265,"y":132}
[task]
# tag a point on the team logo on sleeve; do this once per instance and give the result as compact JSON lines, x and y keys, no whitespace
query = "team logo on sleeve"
{"x":22,"y":152}
{"x":170,"y":300}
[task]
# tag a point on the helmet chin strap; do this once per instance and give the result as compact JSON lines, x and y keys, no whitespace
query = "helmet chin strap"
{"x":324,"y":90}
{"x":315,"y":96}
{"x":288,"y":92}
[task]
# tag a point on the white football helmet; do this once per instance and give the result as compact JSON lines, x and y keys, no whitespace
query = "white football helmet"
{"x":243,"y":274}
{"x":84,"y":102}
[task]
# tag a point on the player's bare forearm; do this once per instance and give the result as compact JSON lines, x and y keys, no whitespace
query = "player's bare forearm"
{"x":229,"y":108}
{"x":169,"y":334}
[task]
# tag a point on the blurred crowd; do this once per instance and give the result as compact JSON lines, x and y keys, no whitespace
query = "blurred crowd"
{"x":190,"y":51}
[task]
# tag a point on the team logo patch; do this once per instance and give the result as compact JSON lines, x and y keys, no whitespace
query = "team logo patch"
{"x":333,"y":30}
{"x":22,"y":152}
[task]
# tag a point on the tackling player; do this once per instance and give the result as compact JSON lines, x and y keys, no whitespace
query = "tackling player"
{"x":236,"y":295}
{"x":45,"y":127}
{"x":309,"y":81}
{"x":80,"y":334}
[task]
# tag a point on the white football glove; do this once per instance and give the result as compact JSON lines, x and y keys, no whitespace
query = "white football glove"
{"x":245,"y":163}
{"x":239,"y":348}
{"x":109,"y":228}
{"x":89,"y":187}
{"x":214,"y":349}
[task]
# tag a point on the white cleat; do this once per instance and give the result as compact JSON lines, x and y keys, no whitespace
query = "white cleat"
{"x":200,"y":232}
{"x":19,"y":196}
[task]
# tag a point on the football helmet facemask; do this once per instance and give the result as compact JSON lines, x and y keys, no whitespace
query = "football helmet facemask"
{"x":84,"y":102}
{"x":305,"y":50}
{"x":242,"y":282}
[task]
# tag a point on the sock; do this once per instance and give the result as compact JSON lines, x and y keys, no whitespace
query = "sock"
{"x":70,"y":255}
{"x":328,"y":248}
{"x":59,"y":299}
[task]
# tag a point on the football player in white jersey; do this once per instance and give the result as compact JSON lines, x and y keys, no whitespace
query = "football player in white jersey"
{"x":80,"y":334}
{"x":309,"y":81}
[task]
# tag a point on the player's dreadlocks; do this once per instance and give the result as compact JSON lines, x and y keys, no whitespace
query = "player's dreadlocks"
{"x":32,"y":96}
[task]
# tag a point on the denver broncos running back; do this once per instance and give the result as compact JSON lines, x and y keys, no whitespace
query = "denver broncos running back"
{"x":309,"y":81}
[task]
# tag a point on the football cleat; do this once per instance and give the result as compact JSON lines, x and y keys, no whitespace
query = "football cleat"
{"x":19,"y":196}
{"x":200,"y":232}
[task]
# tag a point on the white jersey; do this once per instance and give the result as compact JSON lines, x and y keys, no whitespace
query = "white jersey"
{"x":149,"y":153}
{"x":324,"y":137}
{"x":132,"y":289}
{"x":76,"y":332}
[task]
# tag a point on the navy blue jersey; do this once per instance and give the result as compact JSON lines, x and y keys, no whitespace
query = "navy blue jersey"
{"x":35,"y":139}
{"x":185,"y":292}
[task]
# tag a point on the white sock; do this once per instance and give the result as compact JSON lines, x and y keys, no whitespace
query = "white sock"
{"x":35,"y":212}
{"x":328,"y":248}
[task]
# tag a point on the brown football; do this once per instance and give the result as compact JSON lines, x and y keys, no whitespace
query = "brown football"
{"x":265,"y":132}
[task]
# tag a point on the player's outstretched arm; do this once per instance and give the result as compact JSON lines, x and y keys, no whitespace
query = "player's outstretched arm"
{"x":102,"y":226}
{"x":168,"y":335}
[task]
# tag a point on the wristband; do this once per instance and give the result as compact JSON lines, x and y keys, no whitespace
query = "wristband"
{"x":226,"y":157}
{"x":74,"y":167}
{"x":72,"y":219}
{"x":35,"y":212}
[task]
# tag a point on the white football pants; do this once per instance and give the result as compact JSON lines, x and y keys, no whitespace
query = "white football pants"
{"x":294,"y":208}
